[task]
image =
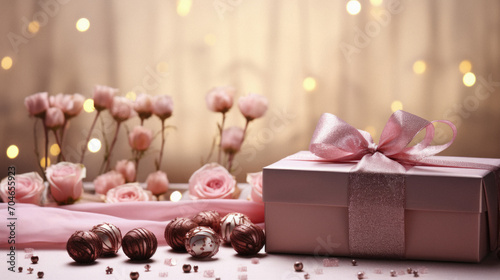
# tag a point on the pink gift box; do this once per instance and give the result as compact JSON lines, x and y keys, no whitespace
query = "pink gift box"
{"x":451,"y":214}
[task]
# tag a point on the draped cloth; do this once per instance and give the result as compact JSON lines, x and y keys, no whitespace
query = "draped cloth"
{"x":50,"y":227}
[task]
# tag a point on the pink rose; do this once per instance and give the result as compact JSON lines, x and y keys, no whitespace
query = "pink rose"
{"x":127,"y":169}
{"x":211,"y":181}
{"x":103,"y":97}
{"x":143,"y":105}
{"x":163,"y":106}
{"x":128,"y":193}
{"x":232,"y":138}
{"x":121,"y":109}
{"x":252,"y":106}
{"x":37,"y":104}
{"x":54,"y":118}
{"x":65,"y":181}
{"x":103,"y":183}
{"x":140,"y":138}
{"x":70,"y":104}
{"x":28,"y":188}
{"x":255,"y":181}
{"x":220,"y":99}
{"x":157,"y":182}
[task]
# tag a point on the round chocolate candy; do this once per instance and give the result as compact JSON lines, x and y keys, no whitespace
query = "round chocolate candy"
{"x":229,"y":222}
{"x":175,"y":232}
{"x":84,"y":246}
{"x":139,"y":244}
{"x":111,"y":237}
{"x":202,"y":242}
{"x":208,"y":219}
{"x":247,"y":239}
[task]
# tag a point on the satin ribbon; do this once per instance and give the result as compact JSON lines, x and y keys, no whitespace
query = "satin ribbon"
{"x":377,"y":182}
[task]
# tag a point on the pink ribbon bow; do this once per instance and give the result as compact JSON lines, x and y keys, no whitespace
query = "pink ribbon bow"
{"x":337,"y":141}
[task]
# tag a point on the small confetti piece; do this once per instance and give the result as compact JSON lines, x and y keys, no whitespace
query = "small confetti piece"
{"x":170,"y":262}
{"x":307,"y":276}
{"x":242,"y":268}
{"x":318,"y":270}
{"x":255,"y":260}
{"x":330,"y":262}
{"x":209,"y":273}
{"x":242,"y":277}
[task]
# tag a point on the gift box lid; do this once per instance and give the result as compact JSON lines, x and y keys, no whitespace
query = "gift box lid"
{"x":427,"y":188}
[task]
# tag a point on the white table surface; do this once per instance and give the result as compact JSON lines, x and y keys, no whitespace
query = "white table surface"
{"x":56,"y":264}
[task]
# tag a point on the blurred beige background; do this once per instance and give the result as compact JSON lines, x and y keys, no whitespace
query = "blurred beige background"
{"x":306,"y":57}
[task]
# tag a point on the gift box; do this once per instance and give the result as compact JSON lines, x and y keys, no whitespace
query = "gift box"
{"x":319,"y":206}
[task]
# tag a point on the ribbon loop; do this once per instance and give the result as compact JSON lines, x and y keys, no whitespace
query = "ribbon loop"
{"x":335,"y":140}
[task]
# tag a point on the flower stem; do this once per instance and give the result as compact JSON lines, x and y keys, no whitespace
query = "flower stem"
{"x":221,"y":129}
{"x":84,"y":148}
{"x":230,"y":161}
{"x":108,"y":156}
{"x":46,"y":131}
{"x":158,"y":165}
{"x":61,"y":138}
{"x":37,"y":153}
{"x":60,"y":147}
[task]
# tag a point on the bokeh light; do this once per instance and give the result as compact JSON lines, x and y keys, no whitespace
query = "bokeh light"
{"x":6,"y":62}
{"x":33,"y":27}
{"x":94,"y":145}
{"x":469,"y":79}
{"x":12,"y":151}
{"x":88,"y":105}
{"x":353,"y":7}
{"x":419,"y":67}
{"x":184,"y":7}
{"x":82,"y":25}
{"x":131,"y":95}
{"x":465,"y":66}
{"x":175,"y":196}
{"x":42,"y":162}
{"x":372,"y":130}
{"x":376,"y":3}
{"x":309,"y":84}
{"x":396,"y":105}
{"x":54,"y":150}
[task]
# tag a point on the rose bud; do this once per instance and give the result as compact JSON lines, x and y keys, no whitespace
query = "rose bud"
{"x":37,"y":104}
{"x":29,"y":188}
{"x":54,"y":118}
{"x":103,"y":183}
{"x":211,"y":181}
{"x":70,"y":104}
{"x":143,"y":105}
{"x":103,"y":97}
{"x":140,"y":138}
{"x":127,"y":169}
{"x":220,"y":99}
{"x":157,"y":182}
{"x":122,"y":108}
{"x":232,"y":138}
{"x":252,"y":106}
{"x":65,"y":181}
{"x":163,"y":106}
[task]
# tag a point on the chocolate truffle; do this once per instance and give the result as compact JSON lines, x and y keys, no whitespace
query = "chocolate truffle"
{"x":208,"y":219}
{"x":84,"y":246}
{"x":247,"y":239}
{"x":139,"y":244}
{"x":202,"y":242}
{"x":111,"y":237}
{"x":229,"y":222}
{"x":175,"y":232}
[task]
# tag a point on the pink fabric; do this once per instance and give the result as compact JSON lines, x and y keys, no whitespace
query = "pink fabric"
{"x":50,"y":227}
